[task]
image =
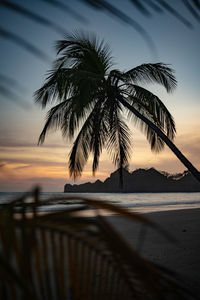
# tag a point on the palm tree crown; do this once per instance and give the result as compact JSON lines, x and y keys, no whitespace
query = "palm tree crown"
{"x":94,"y":100}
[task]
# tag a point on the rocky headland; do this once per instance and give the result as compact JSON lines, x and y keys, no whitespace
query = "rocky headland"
{"x":140,"y":180}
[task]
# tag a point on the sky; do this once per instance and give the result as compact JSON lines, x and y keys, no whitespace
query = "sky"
{"x":23,"y":163}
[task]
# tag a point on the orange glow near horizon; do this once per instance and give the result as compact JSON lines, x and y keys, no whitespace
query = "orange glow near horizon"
{"x":27,"y":166}
{"x":22,"y":163}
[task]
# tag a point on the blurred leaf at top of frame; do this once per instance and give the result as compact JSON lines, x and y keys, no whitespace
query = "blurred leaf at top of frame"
{"x":146,"y":7}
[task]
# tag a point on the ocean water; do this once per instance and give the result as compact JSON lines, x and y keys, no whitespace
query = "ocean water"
{"x":142,"y":202}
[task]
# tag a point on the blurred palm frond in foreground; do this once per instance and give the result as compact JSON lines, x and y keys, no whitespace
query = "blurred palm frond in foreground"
{"x":66,"y":255}
{"x":147,"y":8}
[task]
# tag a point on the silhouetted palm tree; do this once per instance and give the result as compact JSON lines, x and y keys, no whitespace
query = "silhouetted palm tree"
{"x":94,"y":102}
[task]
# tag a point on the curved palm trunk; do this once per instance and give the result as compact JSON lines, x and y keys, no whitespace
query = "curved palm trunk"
{"x":175,"y":150}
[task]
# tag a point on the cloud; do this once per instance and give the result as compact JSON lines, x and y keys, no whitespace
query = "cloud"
{"x":22,"y":167}
{"x":48,"y":165}
{"x":2,"y":164}
{"x":34,"y":162}
{"x":7,"y":142}
{"x":33,"y":155}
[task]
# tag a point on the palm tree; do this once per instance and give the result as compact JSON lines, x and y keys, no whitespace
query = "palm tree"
{"x":94,"y":101}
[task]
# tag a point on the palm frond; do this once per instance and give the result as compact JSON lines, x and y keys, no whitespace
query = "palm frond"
{"x":119,"y":143}
{"x":91,"y":137}
{"x":170,"y":9}
{"x":193,"y":10}
{"x":84,"y":51}
{"x":156,"y":143}
{"x":99,"y":135}
{"x":54,"y":118}
{"x":79,"y":153}
{"x":55,"y":88}
{"x":24,"y":44}
{"x":33,"y":16}
{"x":114,"y":77}
{"x":156,"y":73}
{"x":63,"y":254}
{"x":74,"y":73}
{"x":160,"y":114}
{"x":11,"y":95}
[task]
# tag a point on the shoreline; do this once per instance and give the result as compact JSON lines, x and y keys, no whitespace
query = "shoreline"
{"x":183,"y":224}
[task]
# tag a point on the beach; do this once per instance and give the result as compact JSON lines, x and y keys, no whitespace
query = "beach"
{"x":178,"y":250}
{"x":182,"y":256}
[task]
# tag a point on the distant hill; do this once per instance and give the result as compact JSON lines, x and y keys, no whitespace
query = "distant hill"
{"x":139,"y":181}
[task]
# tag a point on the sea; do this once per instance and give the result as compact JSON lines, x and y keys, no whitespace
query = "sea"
{"x":140,"y":202}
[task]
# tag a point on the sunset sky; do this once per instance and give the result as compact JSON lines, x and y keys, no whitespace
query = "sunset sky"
{"x":23,"y":163}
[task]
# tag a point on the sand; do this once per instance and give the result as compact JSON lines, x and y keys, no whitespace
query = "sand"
{"x":182,"y":256}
